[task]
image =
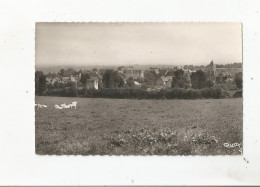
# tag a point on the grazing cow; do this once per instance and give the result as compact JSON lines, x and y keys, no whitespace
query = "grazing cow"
{"x":62,"y":104}
{"x":40,"y":106}
{"x":74,"y":104}
{"x":58,"y":107}
{"x":65,"y":106}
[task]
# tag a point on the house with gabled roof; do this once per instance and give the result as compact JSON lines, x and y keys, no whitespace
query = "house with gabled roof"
{"x":165,"y":81}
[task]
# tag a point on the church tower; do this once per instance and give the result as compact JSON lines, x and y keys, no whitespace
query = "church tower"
{"x":212,"y":67}
{"x":211,"y":70}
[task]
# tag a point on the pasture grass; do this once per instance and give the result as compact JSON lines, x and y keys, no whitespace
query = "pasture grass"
{"x":138,"y":127}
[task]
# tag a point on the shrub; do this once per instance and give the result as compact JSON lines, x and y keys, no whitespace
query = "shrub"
{"x":238,"y":94}
{"x":239,"y":80}
{"x":62,"y":92}
{"x":128,"y":93}
{"x":215,"y":93}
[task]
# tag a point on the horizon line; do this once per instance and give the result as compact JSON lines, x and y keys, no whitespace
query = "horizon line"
{"x":132,"y":64}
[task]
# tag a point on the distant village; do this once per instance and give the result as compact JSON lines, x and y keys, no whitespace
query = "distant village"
{"x":152,"y":79}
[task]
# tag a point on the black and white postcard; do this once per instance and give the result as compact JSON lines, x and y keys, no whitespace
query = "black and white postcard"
{"x":138,"y":89}
{"x":120,"y":92}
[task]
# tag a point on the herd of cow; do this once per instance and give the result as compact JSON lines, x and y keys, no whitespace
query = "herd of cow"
{"x":62,"y":106}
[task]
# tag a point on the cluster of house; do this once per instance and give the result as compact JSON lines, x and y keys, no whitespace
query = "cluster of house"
{"x":221,"y":75}
{"x":128,"y":73}
{"x":92,"y":82}
{"x":164,"y":76}
{"x":217,"y":75}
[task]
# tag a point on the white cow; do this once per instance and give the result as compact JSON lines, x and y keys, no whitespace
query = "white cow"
{"x":73,"y":104}
{"x":40,"y":106}
{"x":65,"y":106}
{"x":62,"y":104}
{"x":58,"y":107}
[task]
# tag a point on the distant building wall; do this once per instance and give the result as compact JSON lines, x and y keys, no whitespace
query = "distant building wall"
{"x":135,"y":74}
{"x":92,"y":84}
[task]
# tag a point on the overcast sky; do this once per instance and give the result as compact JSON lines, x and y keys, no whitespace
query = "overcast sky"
{"x":137,"y":43}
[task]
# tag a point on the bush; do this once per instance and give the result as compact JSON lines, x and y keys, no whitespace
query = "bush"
{"x":239,"y":80}
{"x":127,"y":93}
{"x":238,"y":94}
{"x":62,"y":92}
{"x":215,"y":93}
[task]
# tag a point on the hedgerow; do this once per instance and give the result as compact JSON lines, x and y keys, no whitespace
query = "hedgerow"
{"x":127,"y":93}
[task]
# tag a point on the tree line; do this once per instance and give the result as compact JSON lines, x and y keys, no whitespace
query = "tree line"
{"x":111,"y":79}
{"x":232,"y":65}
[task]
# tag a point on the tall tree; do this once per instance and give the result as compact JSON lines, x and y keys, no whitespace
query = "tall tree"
{"x":68,"y":72}
{"x":150,"y":77}
{"x":130,"y":83}
{"x":180,"y":79}
{"x":198,"y":79}
{"x":40,"y":82}
{"x":112,"y":79}
{"x":61,"y":72}
{"x":239,"y":80}
{"x":84,"y":78}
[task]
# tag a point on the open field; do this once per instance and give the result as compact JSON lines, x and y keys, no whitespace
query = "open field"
{"x":139,"y":127}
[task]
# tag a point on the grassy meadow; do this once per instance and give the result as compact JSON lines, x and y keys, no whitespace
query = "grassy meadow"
{"x":102,"y":126}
